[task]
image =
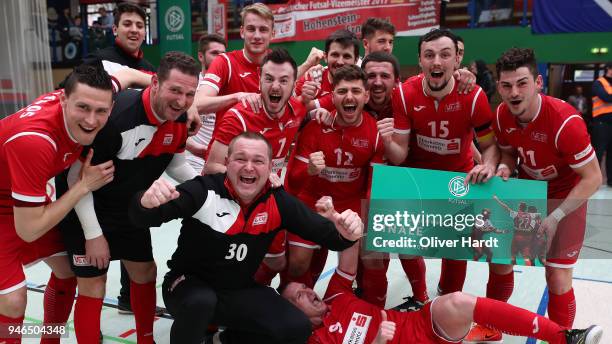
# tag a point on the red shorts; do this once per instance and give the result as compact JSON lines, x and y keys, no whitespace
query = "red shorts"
{"x":296,"y":240}
{"x":417,"y":327}
{"x":569,"y":238}
{"x":16,"y":253}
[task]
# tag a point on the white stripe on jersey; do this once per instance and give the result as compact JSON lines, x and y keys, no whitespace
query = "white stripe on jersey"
{"x":208,"y":83}
{"x":239,"y":115}
{"x":135,"y":140}
{"x":584,"y":162}
{"x":229,"y":66}
{"x":474,"y":101}
{"x":224,"y":214}
{"x":563,"y":126}
{"x":26,"y":133}
{"x":31,"y":199}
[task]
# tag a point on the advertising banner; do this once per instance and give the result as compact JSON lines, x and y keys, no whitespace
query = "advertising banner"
{"x":314,"y":20}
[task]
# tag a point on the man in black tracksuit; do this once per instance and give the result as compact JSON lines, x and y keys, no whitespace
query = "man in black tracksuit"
{"x":229,"y":221}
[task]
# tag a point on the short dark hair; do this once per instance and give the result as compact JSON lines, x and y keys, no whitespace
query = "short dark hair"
{"x":280,"y":56}
{"x":179,"y":60}
{"x":515,"y":58}
{"x":438,"y":33}
{"x":127,"y":7}
{"x":92,"y":75}
{"x":371,"y":25}
{"x":250,"y":135}
{"x":382,"y":56}
{"x":345,"y":38}
{"x":349,"y":73}
{"x":205,"y":41}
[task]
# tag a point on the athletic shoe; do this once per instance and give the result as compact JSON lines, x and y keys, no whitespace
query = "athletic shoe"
{"x":591,"y":335}
{"x":126,"y":308}
{"x":483,"y":335}
{"x":410,"y":305}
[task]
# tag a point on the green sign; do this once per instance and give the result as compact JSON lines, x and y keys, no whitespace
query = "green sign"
{"x":174,"y":26}
{"x":434,"y":214}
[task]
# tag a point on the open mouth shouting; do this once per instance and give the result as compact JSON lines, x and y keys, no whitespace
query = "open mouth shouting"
{"x":275,"y":98}
{"x":437,"y":75}
{"x":248,"y":180}
{"x":349,"y":108}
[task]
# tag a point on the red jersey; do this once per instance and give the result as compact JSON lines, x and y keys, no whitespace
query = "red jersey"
{"x":35,"y":146}
{"x":280,"y":132}
{"x":352,"y":320}
{"x":441,"y":133}
{"x":550,"y":146}
{"x":348,"y":152}
{"x":230,"y":73}
{"x":323,"y":97}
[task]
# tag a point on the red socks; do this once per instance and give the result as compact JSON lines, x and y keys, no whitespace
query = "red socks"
{"x":58,"y":300}
{"x":500,"y":287}
{"x":516,"y":321}
{"x":264,"y":274}
{"x":562,"y":308}
{"x":143,"y":304}
{"x":375,"y":286}
{"x":87,"y":319}
{"x":452,"y":276}
{"x":4,"y":320}
{"x":415,"y":271}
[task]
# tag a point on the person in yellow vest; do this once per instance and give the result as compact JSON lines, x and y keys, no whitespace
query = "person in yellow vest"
{"x":602,"y":119}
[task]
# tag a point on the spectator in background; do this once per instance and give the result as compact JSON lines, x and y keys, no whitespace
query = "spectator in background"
{"x":578,"y":100}
{"x":602,"y":118}
{"x":105,"y":19}
{"x":484,"y":77}
{"x":75,"y":31}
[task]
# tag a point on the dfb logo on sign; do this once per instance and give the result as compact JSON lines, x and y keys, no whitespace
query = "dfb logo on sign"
{"x":457,"y":186}
{"x":174,"y":19}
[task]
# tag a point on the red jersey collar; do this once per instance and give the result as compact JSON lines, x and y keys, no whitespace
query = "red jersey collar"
{"x":146,"y":102}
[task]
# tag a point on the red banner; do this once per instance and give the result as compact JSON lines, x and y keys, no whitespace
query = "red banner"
{"x":316,"y":19}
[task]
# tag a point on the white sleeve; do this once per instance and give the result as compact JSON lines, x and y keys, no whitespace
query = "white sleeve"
{"x":179,"y":169}
{"x":85,"y":206}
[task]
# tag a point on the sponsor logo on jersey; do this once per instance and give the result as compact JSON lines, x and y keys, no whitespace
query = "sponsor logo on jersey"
{"x":222,"y":214}
{"x":66,"y":156}
{"x":212,"y":77}
{"x":357,"y":329}
{"x":80,"y":260}
{"x":578,"y":156}
{"x":290,"y":124}
{"x":572,"y":254}
{"x":260,"y":219}
{"x":139,"y":141}
{"x":510,"y":130}
{"x":245,"y":74}
{"x":168,"y":139}
{"x":328,"y":130}
{"x":360,"y":143}
{"x":541,"y":137}
{"x":263,"y":131}
{"x":418,"y":108}
{"x":438,"y":145}
{"x":547,"y":173}
{"x":457,"y":186}
{"x":456,"y":106}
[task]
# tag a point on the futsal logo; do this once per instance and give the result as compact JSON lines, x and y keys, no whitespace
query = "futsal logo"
{"x":457,"y":186}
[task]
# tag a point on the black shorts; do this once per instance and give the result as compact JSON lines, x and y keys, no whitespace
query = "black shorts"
{"x":129,"y":243}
